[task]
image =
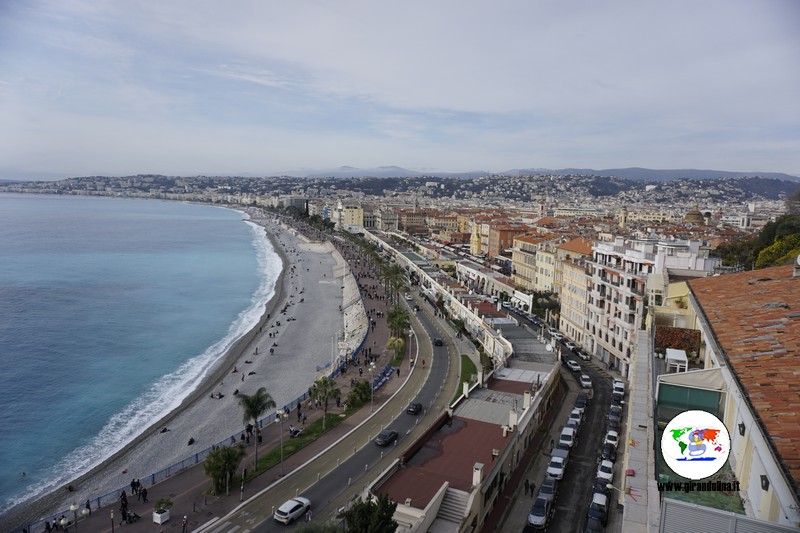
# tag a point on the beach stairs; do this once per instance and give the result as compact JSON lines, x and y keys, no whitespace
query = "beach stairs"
{"x":453,"y":509}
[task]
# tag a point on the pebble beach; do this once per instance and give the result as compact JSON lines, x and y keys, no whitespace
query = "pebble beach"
{"x":299,"y":324}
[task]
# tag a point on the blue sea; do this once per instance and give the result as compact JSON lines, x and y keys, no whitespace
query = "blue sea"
{"x":111,"y":312}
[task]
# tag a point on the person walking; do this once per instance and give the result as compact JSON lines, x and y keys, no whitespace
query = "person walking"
{"x":527,"y":486}
{"x":144,"y":494}
{"x":89,"y":507}
{"x":184,"y":524}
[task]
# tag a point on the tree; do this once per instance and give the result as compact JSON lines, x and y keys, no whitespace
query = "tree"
{"x":221,"y":465}
{"x":373,"y":516}
{"x":323,"y":390}
{"x":793,"y":203}
{"x":360,"y":393}
{"x":459,"y":326}
{"x":785,"y":249}
{"x":254,"y":407}
{"x":393,"y":278}
{"x":396,"y":344}
{"x":399,"y":321}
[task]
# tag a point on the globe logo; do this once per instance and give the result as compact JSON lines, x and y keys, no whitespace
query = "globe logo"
{"x":695,"y":444}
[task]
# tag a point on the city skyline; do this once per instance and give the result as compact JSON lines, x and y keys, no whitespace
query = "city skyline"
{"x":194,"y":88}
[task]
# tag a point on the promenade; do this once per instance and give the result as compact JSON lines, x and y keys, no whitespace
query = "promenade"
{"x":189,"y":490}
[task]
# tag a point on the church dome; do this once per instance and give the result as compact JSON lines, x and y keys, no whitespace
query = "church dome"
{"x":694,"y":217}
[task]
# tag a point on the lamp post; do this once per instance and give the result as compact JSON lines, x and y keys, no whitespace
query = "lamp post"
{"x":112,"y":520}
{"x":370,"y":368}
{"x":279,"y":415}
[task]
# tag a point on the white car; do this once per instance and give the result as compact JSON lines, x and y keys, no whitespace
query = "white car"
{"x":606,"y":470}
{"x":574,"y":366}
{"x":568,"y":437}
{"x":618,"y":387}
{"x":583,"y":355}
{"x":570,"y":345}
{"x":408,"y":297}
{"x":556,"y":467}
{"x":292,"y":510}
{"x":576,"y":415}
{"x":612,"y":437}
{"x":586,"y":381}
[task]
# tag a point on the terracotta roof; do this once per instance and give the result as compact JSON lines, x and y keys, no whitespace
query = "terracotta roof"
{"x":755,"y":317}
{"x":578,"y":245}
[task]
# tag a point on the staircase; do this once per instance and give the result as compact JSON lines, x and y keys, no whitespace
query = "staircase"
{"x":454,"y":506}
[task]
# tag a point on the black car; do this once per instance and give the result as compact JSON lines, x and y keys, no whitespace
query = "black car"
{"x":613,"y":425}
{"x":594,"y":526}
{"x":601,"y":487}
{"x":438,"y":342}
{"x":609,"y":453}
{"x":414,"y":409}
{"x":616,"y":399}
{"x":386,"y":437}
{"x":549,"y":489}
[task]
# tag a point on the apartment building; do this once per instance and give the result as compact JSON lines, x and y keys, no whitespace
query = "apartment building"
{"x":523,"y":259}
{"x":501,"y":238}
{"x":572,"y":249}
{"x":574,"y":299}
{"x":626,"y":274}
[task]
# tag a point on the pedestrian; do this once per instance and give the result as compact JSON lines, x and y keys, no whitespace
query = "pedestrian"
{"x":144,"y":495}
{"x":308,"y":515}
{"x":533,"y":488}
{"x":89,"y":507}
{"x":398,"y":371}
{"x":184,"y":524}
{"x":527,"y":486}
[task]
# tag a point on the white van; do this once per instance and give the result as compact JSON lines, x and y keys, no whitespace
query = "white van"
{"x":568,"y":437}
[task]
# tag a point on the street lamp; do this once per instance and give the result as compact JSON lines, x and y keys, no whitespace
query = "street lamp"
{"x":370,"y":368}
{"x":279,"y":415}
{"x":112,"y":520}
{"x":74,"y":508}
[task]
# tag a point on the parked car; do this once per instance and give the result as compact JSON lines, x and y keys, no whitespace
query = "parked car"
{"x":609,"y":453}
{"x":593,"y":526}
{"x":601,"y":487}
{"x":414,"y":408}
{"x":570,"y":346}
{"x":618,"y":386}
{"x":613,"y":424}
{"x":407,"y":296}
{"x":568,"y":437}
{"x":292,"y":509}
{"x":580,"y":404}
{"x":574,"y":365}
{"x":586,"y":381}
{"x":583,"y":355}
{"x":540,"y":513}
{"x":576,"y":415}
{"x":605,"y":470}
{"x":612,"y":437}
{"x":558,"y":463}
{"x":386,"y":437}
{"x":616,"y":399}
{"x":598,"y":508}
{"x":438,"y":342}
{"x":549,"y":489}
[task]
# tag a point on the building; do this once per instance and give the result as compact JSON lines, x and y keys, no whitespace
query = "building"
{"x":625,"y":274}
{"x":574,"y":299}
{"x":750,"y":330}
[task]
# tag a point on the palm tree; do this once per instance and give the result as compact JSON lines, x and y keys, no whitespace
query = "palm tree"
{"x":221,"y":465}
{"x":324,"y":389}
{"x":399,"y":321}
{"x":396,"y":344}
{"x":255,"y":406}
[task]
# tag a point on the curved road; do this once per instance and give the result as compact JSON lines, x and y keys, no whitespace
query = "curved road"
{"x":343,"y":470}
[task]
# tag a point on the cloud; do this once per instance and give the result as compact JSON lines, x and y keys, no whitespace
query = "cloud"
{"x":445,"y":84}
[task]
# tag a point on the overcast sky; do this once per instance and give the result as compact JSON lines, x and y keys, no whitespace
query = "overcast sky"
{"x":186,"y":87}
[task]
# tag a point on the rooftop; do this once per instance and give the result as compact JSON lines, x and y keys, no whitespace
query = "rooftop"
{"x":759,"y":334}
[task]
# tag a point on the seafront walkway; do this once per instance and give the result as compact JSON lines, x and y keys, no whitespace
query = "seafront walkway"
{"x":189,"y":490}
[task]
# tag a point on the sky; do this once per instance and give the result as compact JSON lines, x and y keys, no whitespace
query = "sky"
{"x":197,"y":87}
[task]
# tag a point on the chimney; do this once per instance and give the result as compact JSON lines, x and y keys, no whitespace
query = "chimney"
{"x":526,"y":399}
{"x":465,"y":388}
{"x":477,"y":474}
{"x":480,"y":378}
{"x":513,"y":417}
{"x":796,"y":272}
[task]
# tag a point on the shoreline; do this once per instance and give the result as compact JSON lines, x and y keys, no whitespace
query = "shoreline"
{"x":53,"y":502}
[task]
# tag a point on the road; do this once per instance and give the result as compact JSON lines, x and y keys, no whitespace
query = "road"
{"x":341,"y":472}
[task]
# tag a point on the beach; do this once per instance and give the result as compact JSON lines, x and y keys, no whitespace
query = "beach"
{"x":308,"y":298}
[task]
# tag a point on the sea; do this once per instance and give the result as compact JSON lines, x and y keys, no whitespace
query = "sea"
{"x":111,"y":312}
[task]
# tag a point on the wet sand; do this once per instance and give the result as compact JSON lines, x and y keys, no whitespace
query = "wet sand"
{"x":304,"y":344}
